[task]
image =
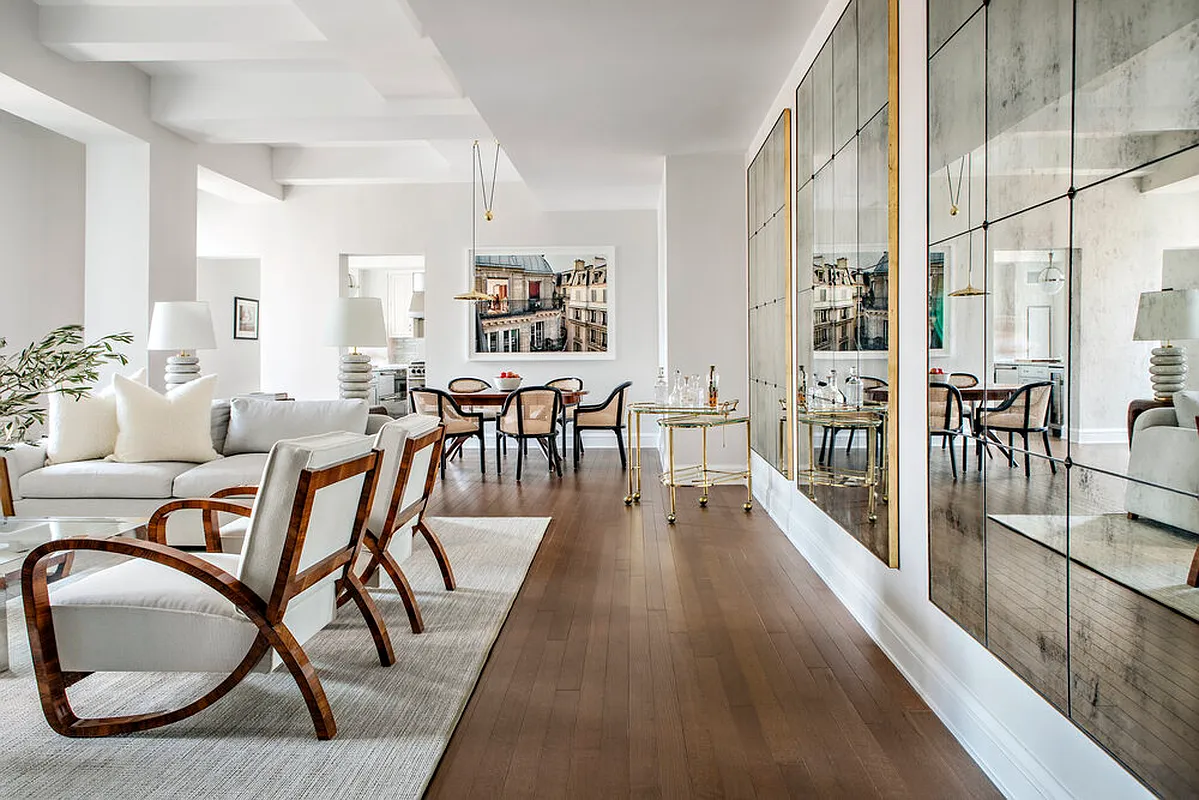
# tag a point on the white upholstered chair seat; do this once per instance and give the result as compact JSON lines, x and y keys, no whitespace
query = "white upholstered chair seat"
{"x":139,"y":616}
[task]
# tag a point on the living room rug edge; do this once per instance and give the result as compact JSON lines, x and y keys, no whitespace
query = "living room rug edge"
{"x":393,"y":723}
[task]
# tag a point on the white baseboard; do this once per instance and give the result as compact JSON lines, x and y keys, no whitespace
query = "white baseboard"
{"x":1099,"y":435}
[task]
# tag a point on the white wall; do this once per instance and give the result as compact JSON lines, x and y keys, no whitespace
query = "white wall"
{"x":705,"y":294}
{"x":235,"y":362}
{"x":1025,"y":745}
{"x":41,"y":231}
{"x":300,"y":243}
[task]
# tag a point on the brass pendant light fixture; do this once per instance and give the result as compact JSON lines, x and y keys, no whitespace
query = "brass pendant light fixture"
{"x":969,"y":290}
{"x":477,"y":179}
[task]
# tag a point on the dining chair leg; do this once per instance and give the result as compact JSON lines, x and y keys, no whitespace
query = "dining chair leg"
{"x":1027,"y":460}
{"x":849,"y":444}
{"x":823,"y":443}
{"x":498,"y":463}
{"x":953,"y":459}
{"x":576,"y":450}
{"x":1048,"y":452}
{"x":620,"y":446}
{"x":965,"y":444}
{"x":482,"y":452}
{"x":520,"y":457}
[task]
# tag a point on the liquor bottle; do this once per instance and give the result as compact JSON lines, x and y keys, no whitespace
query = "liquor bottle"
{"x":661,"y":388}
{"x":801,"y":391}
{"x":713,"y":386}
{"x":853,"y":388}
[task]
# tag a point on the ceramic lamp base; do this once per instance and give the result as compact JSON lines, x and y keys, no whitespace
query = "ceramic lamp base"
{"x":181,"y":369}
{"x":1168,"y":371}
{"x":354,"y":377}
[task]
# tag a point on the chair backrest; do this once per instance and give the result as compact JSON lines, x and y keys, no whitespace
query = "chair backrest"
{"x":568,"y":384}
{"x":532,"y":411}
{"x":1033,"y":400}
{"x":611,"y":411}
{"x":409,"y":449}
{"x":307,"y":520}
{"x":436,"y":403}
{"x":869,"y":382}
{"x":468,"y":384}
{"x":944,"y":407}
{"x":962,"y":380}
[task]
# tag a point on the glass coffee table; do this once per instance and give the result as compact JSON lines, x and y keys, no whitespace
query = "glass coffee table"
{"x":19,"y":535}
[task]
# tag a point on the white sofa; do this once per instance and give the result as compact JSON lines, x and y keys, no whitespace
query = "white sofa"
{"x":108,"y":488}
{"x":1165,"y":455}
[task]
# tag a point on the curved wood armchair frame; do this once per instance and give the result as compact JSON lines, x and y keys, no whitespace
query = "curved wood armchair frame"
{"x":266,"y":614}
{"x":399,"y":518}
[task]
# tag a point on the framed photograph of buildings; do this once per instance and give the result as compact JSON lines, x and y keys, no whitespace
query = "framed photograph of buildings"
{"x":543,"y":303}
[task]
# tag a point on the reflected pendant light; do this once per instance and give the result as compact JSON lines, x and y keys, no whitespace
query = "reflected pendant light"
{"x":969,"y":290}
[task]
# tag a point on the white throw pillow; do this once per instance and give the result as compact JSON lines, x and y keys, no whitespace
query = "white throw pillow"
{"x":176,"y":426}
{"x":85,"y":428}
{"x":1186,"y":407}
{"x":255,"y":425}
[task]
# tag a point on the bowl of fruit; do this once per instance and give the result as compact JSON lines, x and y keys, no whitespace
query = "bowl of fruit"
{"x":508,"y":381}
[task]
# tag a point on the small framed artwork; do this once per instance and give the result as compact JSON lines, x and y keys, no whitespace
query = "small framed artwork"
{"x":245,"y":318}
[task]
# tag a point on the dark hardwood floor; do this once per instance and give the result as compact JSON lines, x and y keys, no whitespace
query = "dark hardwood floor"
{"x":701,"y":660}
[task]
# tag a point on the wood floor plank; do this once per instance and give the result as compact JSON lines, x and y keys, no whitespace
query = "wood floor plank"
{"x":703,"y":659}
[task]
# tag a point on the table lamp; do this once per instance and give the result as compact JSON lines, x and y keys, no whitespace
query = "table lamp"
{"x":356,"y":322}
{"x":1163,"y":316}
{"x":183,"y":326}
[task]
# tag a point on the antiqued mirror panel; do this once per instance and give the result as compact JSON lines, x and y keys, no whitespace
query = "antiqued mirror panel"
{"x":1063,"y":298}
{"x":844,"y":239}
{"x":771,"y":398}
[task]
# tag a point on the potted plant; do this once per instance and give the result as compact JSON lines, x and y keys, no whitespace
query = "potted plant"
{"x":60,"y":362}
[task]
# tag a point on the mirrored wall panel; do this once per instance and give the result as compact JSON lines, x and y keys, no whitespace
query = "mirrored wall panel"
{"x":845,"y":228}
{"x":1063,"y":276}
{"x":769,"y":221}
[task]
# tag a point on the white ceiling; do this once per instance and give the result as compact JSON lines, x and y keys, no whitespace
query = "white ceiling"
{"x":586,"y":97}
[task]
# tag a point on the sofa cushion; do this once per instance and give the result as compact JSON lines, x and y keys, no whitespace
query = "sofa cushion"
{"x":204,"y":479}
{"x":220,"y":424}
{"x":1167,"y":459}
{"x":176,"y":426}
{"x":255,"y":425}
{"x":83,"y":428}
{"x":152,"y":479}
{"x":1186,"y":406}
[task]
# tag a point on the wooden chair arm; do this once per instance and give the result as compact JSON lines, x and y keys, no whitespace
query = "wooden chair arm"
{"x":33,"y":576}
{"x":157,"y":526}
{"x":235,"y":491}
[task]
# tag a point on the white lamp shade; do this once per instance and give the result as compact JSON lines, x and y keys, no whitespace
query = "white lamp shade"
{"x":356,"y":322}
{"x":181,"y":325}
{"x":416,"y":308}
{"x":1168,"y":314}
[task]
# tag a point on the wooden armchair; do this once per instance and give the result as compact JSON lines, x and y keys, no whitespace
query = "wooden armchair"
{"x":411,"y":450}
{"x":167,"y":610}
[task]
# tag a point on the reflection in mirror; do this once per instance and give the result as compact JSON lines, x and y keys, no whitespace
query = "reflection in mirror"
{"x":1089,"y":291}
{"x":1028,"y":103}
{"x":1136,"y":98}
{"x":843,"y":241}
{"x":769,"y":277}
{"x":956,"y":134}
{"x":1026,"y":573}
{"x":1132,"y":627}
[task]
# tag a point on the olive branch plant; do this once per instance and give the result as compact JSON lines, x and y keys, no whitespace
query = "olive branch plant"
{"x":61,"y":363}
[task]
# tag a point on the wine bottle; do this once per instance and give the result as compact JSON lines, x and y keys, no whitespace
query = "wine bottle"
{"x":713,"y":386}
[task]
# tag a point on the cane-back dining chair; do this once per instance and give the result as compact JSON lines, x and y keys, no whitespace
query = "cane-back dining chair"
{"x":532,"y":413}
{"x":605,"y":416}
{"x":460,"y":425}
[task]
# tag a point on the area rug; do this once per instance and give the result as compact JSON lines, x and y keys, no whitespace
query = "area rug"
{"x":258,"y":742}
{"x":1147,"y":557}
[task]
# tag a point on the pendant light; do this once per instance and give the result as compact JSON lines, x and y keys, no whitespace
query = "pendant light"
{"x":969,"y":290}
{"x":477,"y":178}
